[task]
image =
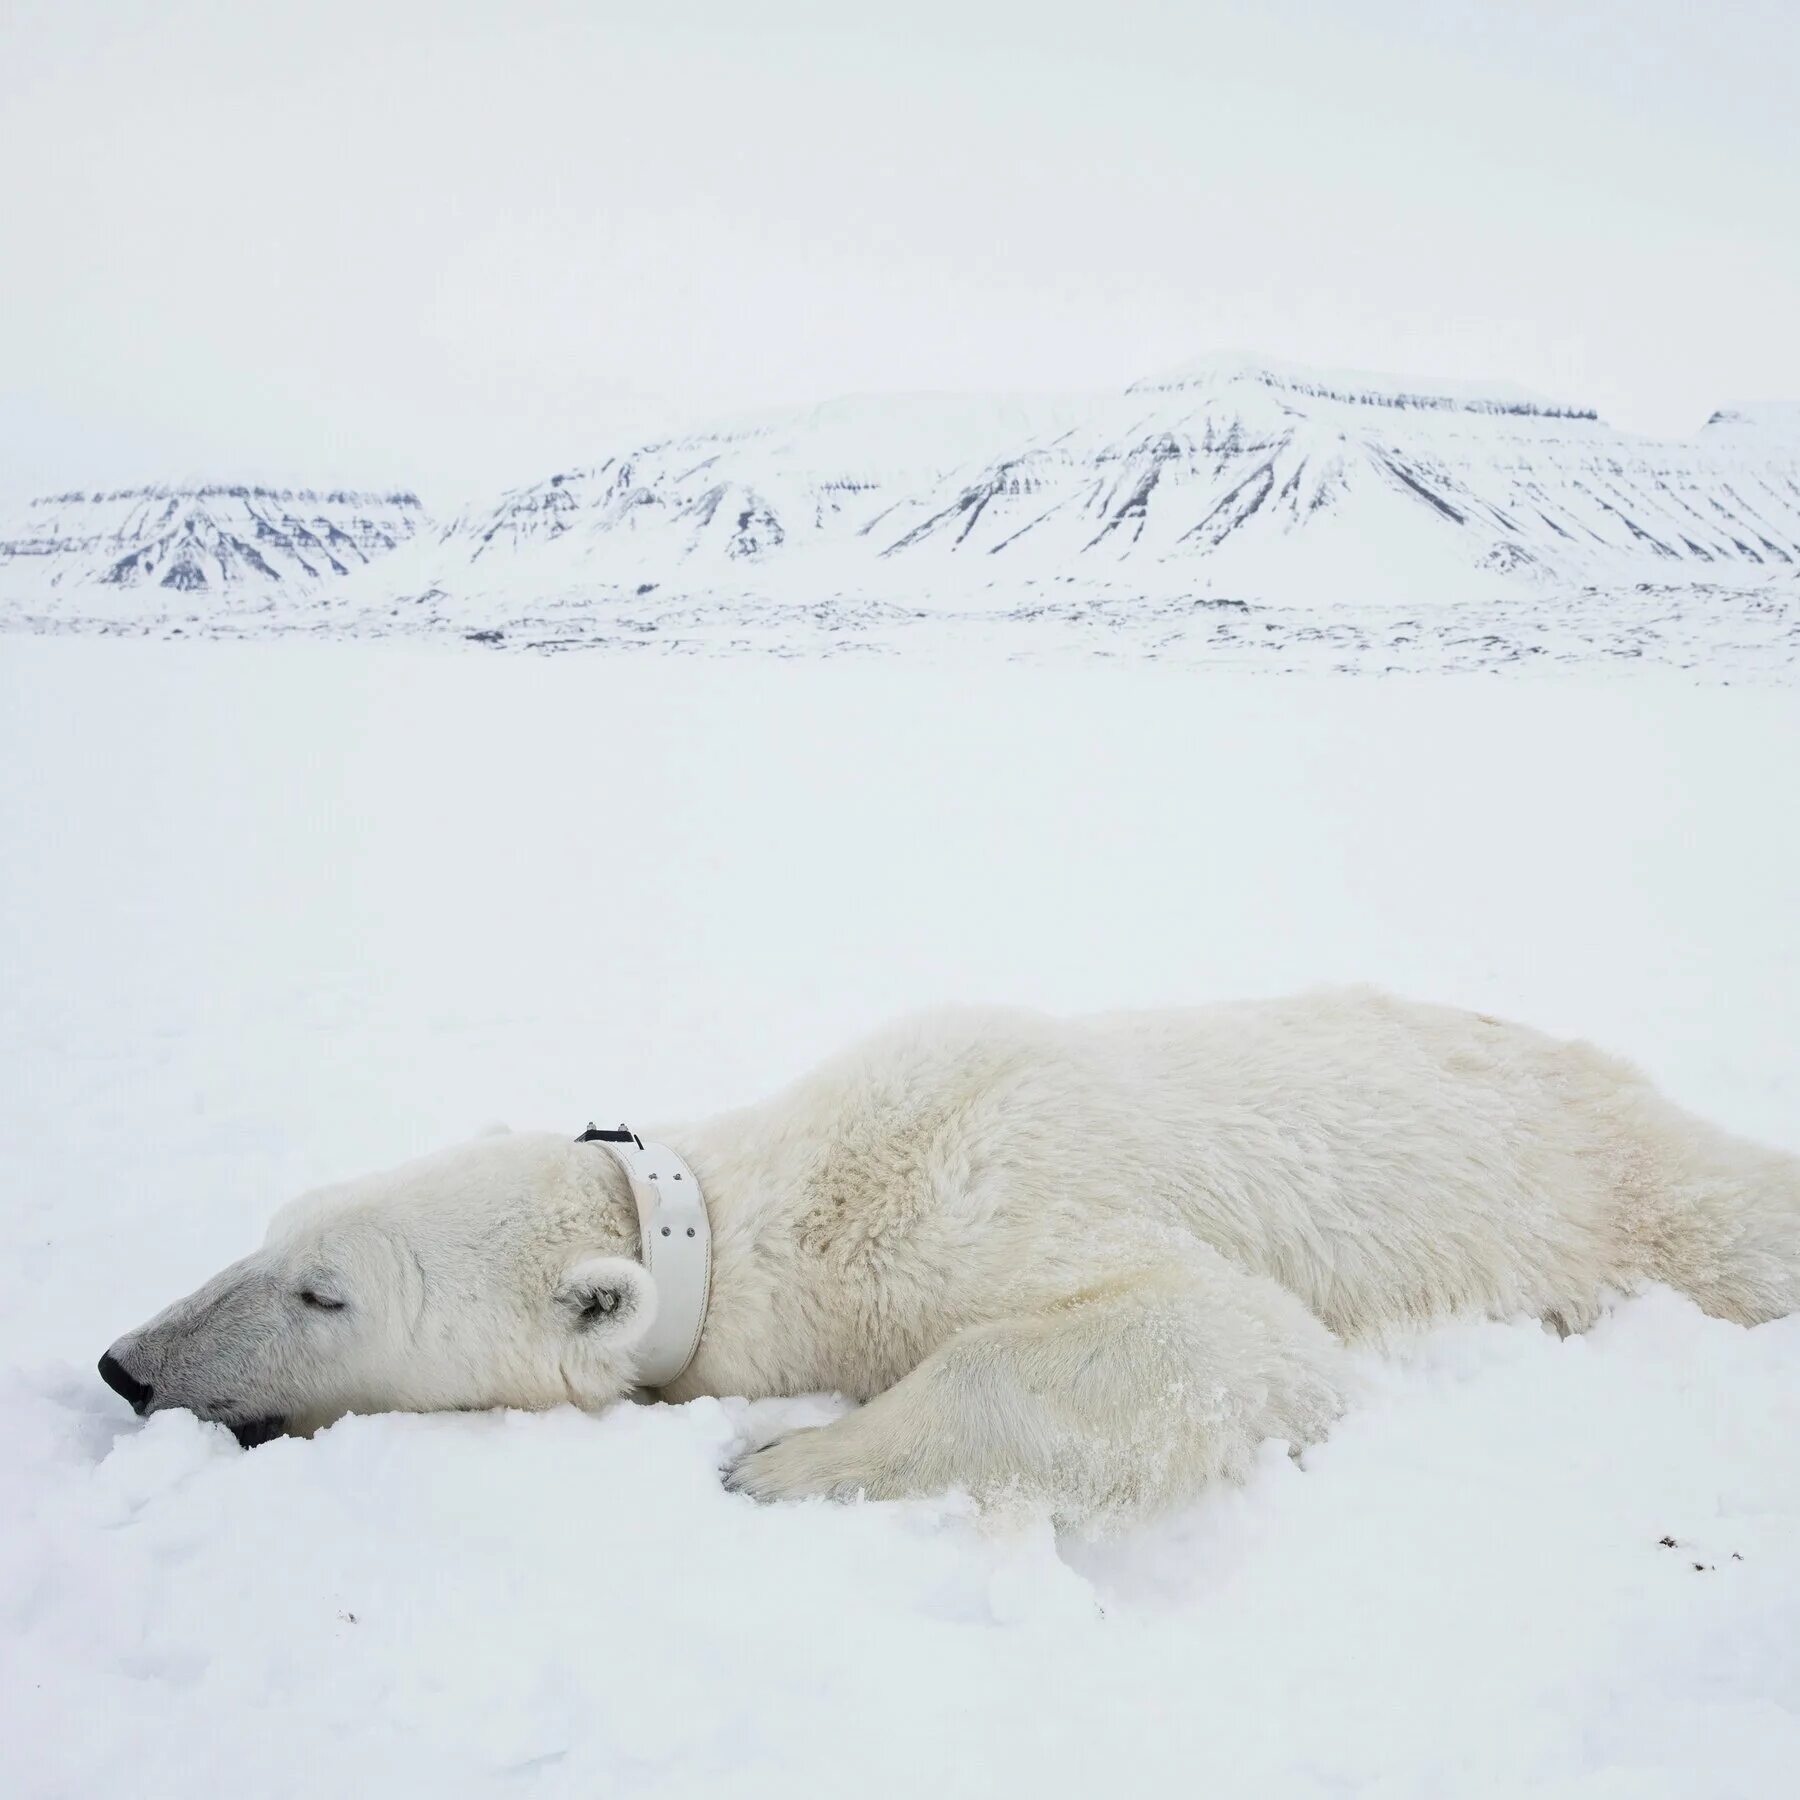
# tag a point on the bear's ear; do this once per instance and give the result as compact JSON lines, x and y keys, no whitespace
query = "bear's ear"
{"x":608,"y":1299}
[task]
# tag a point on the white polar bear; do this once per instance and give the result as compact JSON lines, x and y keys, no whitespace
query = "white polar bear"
{"x":1088,"y":1264}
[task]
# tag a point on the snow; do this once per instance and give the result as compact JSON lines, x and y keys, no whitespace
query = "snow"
{"x":1224,"y":368}
{"x":1773,"y":421}
{"x":276,"y":912}
{"x":1324,"y":505}
{"x":1232,"y":477}
{"x":198,"y":537}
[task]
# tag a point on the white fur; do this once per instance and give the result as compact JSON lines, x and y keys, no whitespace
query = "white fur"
{"x":1090,"y":1264}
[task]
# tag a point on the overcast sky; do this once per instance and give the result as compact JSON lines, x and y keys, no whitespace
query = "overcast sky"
{"x":461,"y":245}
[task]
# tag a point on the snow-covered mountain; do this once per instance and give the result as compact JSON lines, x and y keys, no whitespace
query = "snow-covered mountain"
{"x":1235,"y":507}
{"x":757,"y":493}
{"x":1233,"y":476}
{"x":201,"y":541}
{"x":1277,"y":483}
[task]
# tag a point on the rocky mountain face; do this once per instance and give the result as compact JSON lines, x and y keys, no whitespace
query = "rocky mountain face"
{"x":201,"y":541}
{"x":1230,"y":477}
{"x":1235,"y":508}
{"x":746,"y":495}
{"x":1241,"y":467}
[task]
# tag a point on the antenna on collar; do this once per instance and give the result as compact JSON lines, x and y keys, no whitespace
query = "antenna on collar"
{"x":624,"y":1135}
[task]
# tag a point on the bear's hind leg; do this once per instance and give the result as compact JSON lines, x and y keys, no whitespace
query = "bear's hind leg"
{"x":1129,"y":1396}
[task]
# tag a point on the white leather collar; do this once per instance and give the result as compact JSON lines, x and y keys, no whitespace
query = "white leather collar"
{"x":675,"y":1245}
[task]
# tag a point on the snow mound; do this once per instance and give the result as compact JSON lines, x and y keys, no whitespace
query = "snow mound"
{"x":1524,"y":1565}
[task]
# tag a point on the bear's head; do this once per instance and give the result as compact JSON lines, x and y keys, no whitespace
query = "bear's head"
{"x":498,"y":1273}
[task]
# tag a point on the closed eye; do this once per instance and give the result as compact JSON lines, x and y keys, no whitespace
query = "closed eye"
{"x":312,"y":1297}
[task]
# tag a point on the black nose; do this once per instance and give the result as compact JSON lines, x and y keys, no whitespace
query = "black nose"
{"x":113,"y":1373}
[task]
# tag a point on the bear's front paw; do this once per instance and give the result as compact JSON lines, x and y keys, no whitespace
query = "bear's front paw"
{"x":800,"y":1467}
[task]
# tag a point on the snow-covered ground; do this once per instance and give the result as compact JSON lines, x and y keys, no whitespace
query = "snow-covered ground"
{"x":274,"y":912}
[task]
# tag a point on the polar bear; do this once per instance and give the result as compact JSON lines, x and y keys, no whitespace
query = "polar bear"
{"x":1085,"y":1264}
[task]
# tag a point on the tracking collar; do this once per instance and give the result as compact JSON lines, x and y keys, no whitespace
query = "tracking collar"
{"x":675,"y":1245}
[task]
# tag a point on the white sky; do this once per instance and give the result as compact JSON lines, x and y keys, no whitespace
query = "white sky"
{"x":461,"y":245}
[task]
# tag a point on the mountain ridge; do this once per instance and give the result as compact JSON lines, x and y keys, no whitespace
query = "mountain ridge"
{"x":1231,"y":475}
{"x":204,"y":537}
{"x":1229,"y":483}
